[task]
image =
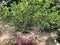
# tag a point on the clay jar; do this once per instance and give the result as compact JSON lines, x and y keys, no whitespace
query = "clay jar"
{"x":25,"y":38}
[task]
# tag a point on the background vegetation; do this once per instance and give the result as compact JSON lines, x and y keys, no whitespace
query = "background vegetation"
{"x":41,"y":14}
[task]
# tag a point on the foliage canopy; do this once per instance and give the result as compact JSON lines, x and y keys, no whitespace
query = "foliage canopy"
{"x":42,"y":14}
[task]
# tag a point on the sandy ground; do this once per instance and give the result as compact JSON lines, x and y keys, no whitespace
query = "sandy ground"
{"x":44,"y":38}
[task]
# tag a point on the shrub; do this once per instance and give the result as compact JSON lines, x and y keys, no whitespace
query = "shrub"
{"x":43,"y":14}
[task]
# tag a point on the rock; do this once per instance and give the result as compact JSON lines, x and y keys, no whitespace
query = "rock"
{"x":26,"y":39}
